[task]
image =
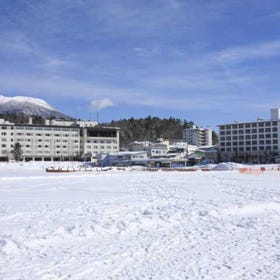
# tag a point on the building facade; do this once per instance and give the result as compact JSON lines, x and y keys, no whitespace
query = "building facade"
{"x":56,"y":140}
{"x":257,"y":141}
{"x":197,"y":136}
{"x":98,"y":139}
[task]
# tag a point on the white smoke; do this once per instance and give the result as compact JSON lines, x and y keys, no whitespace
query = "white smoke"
{"x":99,"y":104}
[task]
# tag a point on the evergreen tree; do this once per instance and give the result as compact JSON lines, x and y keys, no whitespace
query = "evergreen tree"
{"x":215,"y":138}
{"x":17,"y":151}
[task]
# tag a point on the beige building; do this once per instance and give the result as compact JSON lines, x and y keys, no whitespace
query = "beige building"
{"x":98,"y":139}
{"x":57,"y":140}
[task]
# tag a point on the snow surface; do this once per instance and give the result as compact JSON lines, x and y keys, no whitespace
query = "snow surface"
{"x":35,"y":101}
{"x":137,"y":224}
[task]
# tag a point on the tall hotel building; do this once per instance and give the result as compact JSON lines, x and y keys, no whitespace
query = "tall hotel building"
{"x":257,"y":141}
{"x":197,"y":136}
{"x":57,"y":140}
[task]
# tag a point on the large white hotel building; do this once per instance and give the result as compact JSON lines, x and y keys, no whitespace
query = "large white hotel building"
{"x":257,"y":141}
{"x":57,"y":140}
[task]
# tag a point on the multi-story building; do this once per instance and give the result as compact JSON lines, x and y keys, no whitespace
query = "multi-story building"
{"x":98,"y":139}
{"x":57,"y":140}
{"x":197,"y":136}
{"x":257,"y":141}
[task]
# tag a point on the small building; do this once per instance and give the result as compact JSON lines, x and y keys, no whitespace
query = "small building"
{"x":124,"y":158}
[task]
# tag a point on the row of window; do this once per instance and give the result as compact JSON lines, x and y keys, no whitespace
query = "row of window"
{"x":249,"y":149}
{"x":47,"y":146}
{"x":47,"y":134}
{"x":102,"y":147}
{"x":248,"y":131}
{"x":46,"y":152}
{"x":102,"y":141}
{"x":242,"y":137}
{"x":45,"y":128}
{"x":248,"y":125}
{"x":45,"y":140}
{"x":248,"y":143}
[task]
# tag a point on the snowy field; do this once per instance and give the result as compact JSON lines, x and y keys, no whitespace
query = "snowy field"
{"x":138,"y":224}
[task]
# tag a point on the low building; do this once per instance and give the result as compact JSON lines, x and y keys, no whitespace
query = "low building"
{"x":125,"y":158}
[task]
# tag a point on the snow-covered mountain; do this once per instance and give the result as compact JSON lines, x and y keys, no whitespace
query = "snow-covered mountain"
{"x":29,"y":106}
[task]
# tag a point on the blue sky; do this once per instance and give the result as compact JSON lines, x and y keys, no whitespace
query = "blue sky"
{"x":208,"y":61}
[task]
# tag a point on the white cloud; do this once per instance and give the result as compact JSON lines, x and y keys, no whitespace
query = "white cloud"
{"x":255,"y":51}
{"x":101,"y":104}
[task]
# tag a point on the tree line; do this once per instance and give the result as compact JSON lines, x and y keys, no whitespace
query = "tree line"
{"x":149,"y":129}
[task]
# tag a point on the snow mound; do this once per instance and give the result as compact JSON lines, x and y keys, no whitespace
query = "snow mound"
{"x":227,"y":166}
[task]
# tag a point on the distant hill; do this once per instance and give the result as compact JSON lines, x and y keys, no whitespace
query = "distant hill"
{"x":150,"y":128}
{"x":21,"y":105}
